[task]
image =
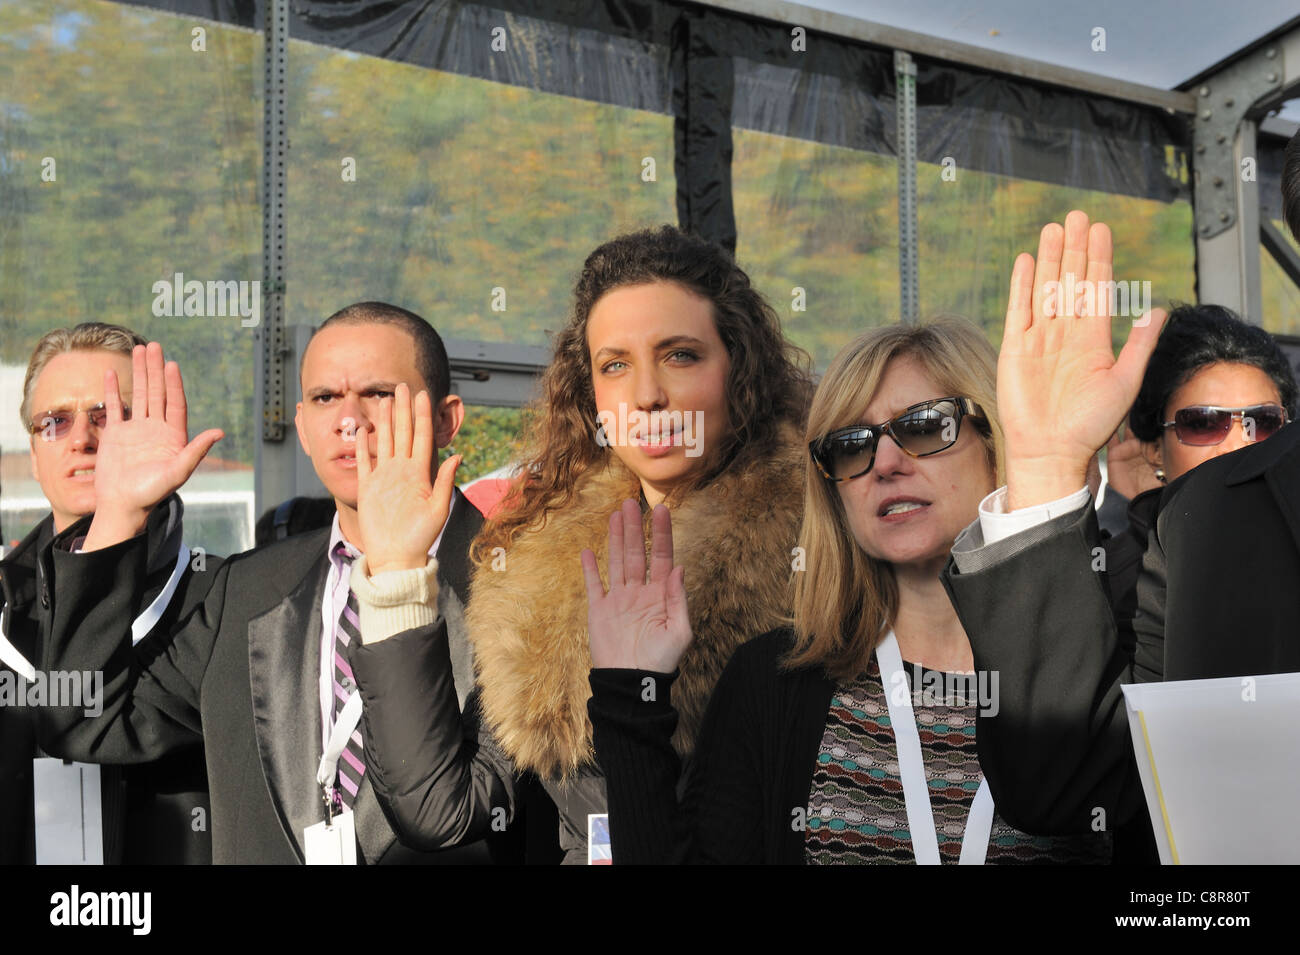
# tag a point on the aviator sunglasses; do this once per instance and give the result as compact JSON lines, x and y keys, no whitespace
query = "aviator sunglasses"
{"x":59,"y":423}
{"x":1207,"y":425}
{"x":922,"y":429}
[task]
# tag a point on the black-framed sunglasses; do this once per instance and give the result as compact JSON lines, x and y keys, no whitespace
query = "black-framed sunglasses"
{"x":1204,"y":426}
{"x":55,"y":425}
{"x":922,"y":429}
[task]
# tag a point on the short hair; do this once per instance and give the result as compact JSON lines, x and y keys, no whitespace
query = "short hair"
{"x":88,"y":336}
{"x":1291,"y":186}
{"x":430,"y":353}
{"x":845,"y":601}
{"x":1194,"y":337}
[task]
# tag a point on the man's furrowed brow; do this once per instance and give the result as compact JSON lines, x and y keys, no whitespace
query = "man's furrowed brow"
{"x":361,"y":389}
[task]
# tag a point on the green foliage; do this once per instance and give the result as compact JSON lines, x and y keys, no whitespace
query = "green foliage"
{"x":156,"y":150}
{"x":488,"y":440}
{"x":462,"y":186}
{"x":825,"y":219}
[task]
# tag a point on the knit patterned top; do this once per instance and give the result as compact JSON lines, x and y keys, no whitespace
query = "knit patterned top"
{"x":856,"y":810}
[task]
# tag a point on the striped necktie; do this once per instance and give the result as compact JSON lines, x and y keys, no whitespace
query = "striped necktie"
{"x":352,"y":762}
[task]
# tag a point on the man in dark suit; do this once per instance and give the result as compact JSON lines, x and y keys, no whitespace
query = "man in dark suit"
{"x":1217,"y":594}
{"x":259,"y":671}
{"x":151,"y":813}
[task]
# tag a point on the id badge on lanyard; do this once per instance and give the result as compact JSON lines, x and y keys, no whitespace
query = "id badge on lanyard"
{"x":911,"y":767}
{"x":334,"y":841}
{"x":66,"y":805}
{"x":66,"y":796}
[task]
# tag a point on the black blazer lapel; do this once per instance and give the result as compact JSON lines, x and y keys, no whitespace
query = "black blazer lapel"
{"x":284,"y":675}
{"x":463,"y":525}
{"x":453,"y":589}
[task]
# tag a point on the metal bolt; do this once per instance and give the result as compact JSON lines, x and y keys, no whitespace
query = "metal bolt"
{"x":1200,"y":148}
{"x":1223,"y":217}
{"x":1272,"y":77}
{"x":1218,"y":180}
{"x":1229,"y":101}
{"x":1221,"y":139}
{"x":1206,"y":114}
{"x":1205,"y":230}
{"x":1205,"y":91}
{"x":1270,"y":53}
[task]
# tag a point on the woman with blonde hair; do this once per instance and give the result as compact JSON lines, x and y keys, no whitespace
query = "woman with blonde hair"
{"x":815,"y":747}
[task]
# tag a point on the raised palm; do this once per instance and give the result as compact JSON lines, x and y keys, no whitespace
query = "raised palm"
{"x":1061,"y":390}
{"x":1127,"y":469}
{"x":400,"y":510}
{"x":142,"y":459}
{"x":638,"y":624}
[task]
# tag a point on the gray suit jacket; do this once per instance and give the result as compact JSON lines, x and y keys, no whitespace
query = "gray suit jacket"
{"x":1217,"y":597}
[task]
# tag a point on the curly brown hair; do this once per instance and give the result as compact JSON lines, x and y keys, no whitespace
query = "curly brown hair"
{"x":768,"y":382}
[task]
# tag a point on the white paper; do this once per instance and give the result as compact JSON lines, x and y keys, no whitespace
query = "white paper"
{"x":69,"y":823}
{"x":332,"y":845}
{"x":1220,"y":767}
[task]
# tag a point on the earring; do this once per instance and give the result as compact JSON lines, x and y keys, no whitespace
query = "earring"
{"x":1160,"y":475}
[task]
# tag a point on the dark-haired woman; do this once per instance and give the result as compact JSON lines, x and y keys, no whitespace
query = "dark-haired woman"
{"x":1214,"y":384}
{"x":671,"y":383}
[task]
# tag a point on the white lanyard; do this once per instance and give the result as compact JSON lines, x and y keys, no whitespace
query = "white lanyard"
{"x":349,"y":718}
{"x":10,"y":655}
{"x":140,"y":627}
{"x":142,"y":624}
{"x":911,"y":767}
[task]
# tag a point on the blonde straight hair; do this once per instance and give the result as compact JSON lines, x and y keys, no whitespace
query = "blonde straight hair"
{"x":845,"y":601}
{"x":88,"y":336}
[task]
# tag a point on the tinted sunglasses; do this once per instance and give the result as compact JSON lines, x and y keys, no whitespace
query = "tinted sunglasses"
{"x":923,"y":429}
{"x":55,"y":425}
{"x":1206,"y":425}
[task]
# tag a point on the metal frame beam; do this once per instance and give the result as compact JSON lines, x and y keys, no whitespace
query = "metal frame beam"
{"x":1225,"y":192}
{"x":277,"y":464}
{"x":1282,"y":251}
{"x":964,"y":54}
{"x":908,"y":247}
{"x":494,"y":373}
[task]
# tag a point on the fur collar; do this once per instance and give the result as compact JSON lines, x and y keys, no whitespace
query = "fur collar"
{"x":528,"y":622}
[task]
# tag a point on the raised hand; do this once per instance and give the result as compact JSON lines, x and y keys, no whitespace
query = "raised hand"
{"x":637,"y":625}
{"x":1061,"y":390}
{"x":141,"y":460}
{"x":399,"y":510}
{"x":1127,"y":469}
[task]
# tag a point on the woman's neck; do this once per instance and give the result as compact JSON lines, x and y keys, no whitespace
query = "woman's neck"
{"x":653,"y":496}
{"x":926,"y":625}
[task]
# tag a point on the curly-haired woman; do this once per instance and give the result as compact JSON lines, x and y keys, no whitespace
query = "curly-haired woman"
{"x":671,"y":383}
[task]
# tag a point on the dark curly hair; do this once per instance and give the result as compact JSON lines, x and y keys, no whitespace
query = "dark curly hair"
{"x":1196,"y":336}
{"x":768,"y":382}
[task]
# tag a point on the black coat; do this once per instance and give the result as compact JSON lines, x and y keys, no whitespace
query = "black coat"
{"x":240,"y":672}
{"x":151,"y":813}
{"x":1217,"y":597}
{"x":458,"y":782}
